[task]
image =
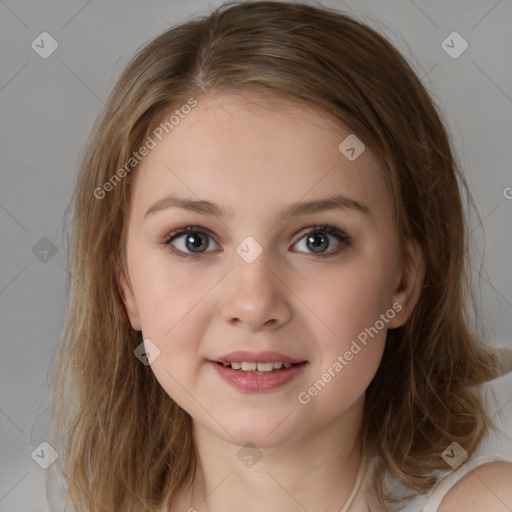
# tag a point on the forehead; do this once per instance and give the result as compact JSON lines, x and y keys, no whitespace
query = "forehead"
{"x":250,"y":154}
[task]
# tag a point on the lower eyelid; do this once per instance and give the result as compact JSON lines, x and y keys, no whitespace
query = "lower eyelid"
{"x":173,"y":237}
{"x":342,"y":244}
{"x":343,"y":239}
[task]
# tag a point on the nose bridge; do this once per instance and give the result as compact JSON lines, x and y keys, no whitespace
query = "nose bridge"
{"x":254,"y":292}
{"x":253,"y":268}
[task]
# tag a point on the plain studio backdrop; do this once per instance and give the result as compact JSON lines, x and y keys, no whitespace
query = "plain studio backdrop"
{"x":51,"y":93}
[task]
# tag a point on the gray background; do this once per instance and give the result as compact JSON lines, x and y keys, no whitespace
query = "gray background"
{"x":47,"y":109}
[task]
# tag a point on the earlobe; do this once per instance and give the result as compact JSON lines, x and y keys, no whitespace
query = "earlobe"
{"x":129,"y":301}
{"x":408,"y":283}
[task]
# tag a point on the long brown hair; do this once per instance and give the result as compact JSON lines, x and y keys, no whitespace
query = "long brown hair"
{"x":124,"y":444}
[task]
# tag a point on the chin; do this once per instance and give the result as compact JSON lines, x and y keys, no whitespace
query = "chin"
{"x":271,"y":434}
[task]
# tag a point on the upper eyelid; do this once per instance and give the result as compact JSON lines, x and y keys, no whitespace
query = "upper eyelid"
{"x":343,"y":235}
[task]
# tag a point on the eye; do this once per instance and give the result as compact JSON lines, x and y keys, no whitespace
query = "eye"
{"x":317,"y":239}
{"x":192,"y":238}
{"x":193,"y":241}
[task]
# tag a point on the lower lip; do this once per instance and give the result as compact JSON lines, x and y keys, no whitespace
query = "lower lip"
{"x":253,"y":382}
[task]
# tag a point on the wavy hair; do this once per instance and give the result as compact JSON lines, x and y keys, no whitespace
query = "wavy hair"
{"x":124,"y":444}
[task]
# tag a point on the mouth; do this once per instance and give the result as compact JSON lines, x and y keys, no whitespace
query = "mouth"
{"x":262,"y":371}
{"x":263,"y":368}
{"x":261,"y":377}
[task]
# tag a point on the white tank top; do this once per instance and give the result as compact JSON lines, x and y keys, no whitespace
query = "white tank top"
{"x":494,"y":447}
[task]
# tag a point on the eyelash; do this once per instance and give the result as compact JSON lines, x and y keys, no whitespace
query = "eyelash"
{"x":328,"y":229}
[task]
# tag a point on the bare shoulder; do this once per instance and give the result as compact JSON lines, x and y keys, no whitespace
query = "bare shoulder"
{"x":487,"y":487}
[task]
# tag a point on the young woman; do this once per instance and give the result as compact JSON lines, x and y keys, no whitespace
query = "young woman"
{"x":270,"y":269}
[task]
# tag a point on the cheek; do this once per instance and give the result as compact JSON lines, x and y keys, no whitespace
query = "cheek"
{"x":350,"y":341}
{"x":172,"y":307}
{"x":174,"y":317}
{"x":352,"y":335}
{"x":169,"y":295}
{"x":350,"y":299}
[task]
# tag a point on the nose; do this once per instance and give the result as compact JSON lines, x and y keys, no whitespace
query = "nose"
{"x":256,"y":296}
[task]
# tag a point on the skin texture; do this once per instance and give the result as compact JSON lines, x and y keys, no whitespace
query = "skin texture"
{"x":256,"y":158}
{"x":488,"y":487}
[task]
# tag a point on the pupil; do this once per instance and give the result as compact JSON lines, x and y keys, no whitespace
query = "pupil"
{"x":195,"y":242}
{"x":317,"y":241}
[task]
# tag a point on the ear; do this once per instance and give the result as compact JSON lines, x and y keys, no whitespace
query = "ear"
{"x":408,"y":283}
{"x":129,"y":301}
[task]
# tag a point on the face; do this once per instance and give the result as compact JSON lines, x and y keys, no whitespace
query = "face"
{"x":251,"y":274}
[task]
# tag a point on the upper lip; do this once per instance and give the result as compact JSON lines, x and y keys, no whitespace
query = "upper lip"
{"x":240,"y":356}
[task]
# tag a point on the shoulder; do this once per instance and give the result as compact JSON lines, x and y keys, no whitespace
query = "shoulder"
{"x":487,"y":487}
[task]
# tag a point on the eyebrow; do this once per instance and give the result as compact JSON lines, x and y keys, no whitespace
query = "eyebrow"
{"x":207,"y":208}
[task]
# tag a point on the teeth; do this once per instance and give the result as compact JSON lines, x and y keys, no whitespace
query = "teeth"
{"x":265,"y":367}
{"x":249,"y":366}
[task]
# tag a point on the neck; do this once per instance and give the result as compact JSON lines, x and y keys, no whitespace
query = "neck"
{"x":317,"y":472}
